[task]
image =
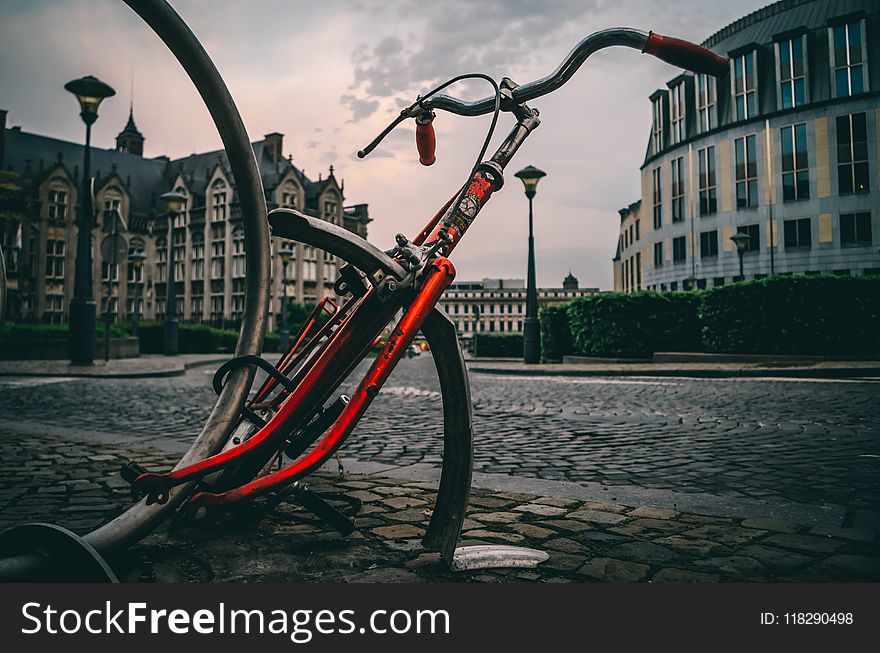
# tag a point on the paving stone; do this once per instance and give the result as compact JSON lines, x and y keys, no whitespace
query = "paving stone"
{"x":653,"y":513}
{"x":723,"y":534}
{"x":365,"y":496}
{"x":539,"y":509}
{"x":570,"y":525}
{"x":673,"y":575}
{"x":739,"y":566}
{"x":855,"y":567}
{"x":604,"y":507}
{"x":814,"y":544}
{"x":483,"y":534}
{"x":776,"y":525}
{"x":644,"y":552}
{"x":404,"y":502}
{"x":532,"y":531}
{"x":612,"y":570}
{"x":386,"y":575}
{"x":399,"y":531}
{"x":596,"y":516}
{"x":853,"y":534}
{"x":562,"y":561}
{"x":553,"y":501}
{"x":689,"y":546}
{"x":566,"y":545}
{"x":412,"y":516}
{"x":496,"y":517}
{"x":776,"y":558}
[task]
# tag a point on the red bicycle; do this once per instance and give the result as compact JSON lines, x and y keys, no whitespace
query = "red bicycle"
{"x":297,"y":413}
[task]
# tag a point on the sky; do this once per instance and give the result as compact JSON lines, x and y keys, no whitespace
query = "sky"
{"x":331,"y":75}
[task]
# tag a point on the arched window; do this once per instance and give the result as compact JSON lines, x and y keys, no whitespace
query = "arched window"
{"x":180,"y":218}
{"x":161,"y":259}
{"x":238,"y":258}
{"x":289,"y":195}
{"x":198,"y":256}
{"x":136,"y":248}
{"x":57,"y":200}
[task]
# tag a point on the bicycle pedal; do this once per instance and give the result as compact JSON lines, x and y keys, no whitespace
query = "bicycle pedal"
{"x":317,"y":505}
{"x":130,"y":471}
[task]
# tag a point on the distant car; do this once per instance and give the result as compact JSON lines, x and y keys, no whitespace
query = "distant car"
{"x":413,"y":350}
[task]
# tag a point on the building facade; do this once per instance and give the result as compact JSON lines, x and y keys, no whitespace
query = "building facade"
{"x":499,"y":305}
{"x":785,"y":149}
{"x":42,"y":182}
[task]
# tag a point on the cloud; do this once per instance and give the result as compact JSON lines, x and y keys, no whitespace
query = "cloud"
{"x":359,"y":108}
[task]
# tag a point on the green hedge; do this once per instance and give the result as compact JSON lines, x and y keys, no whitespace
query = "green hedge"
{"x":635,"y":324}
{"x":196,"y":339}
{"x":794,"y":315}
{"x":499,"y":345}
{"x":56,"y":331}
{"x":555,"y":332}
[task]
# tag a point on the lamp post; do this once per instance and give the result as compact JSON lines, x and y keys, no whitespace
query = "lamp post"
{"x":283,"y":333}
{"x":90,"y":92}
{"x":530,"y":175}
{"x":174,"y":202}
{"x":476,"y":326}
{"x":741,"y":241}
{"x":137,"y":263}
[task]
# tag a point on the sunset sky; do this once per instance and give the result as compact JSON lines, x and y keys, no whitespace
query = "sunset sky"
{"x":330,"y":75}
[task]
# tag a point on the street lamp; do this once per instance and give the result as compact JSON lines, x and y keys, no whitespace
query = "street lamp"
{"x":137,"y":263}
{"x":741,"y":241}
{"x":530,"y":176}
{"x":476,"y":327}
{"x":89,"y":91}
{"x":174,"y":202}
{"x":283,"y":334}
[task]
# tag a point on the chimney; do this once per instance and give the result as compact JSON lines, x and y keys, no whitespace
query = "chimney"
{"x":2,"y":138}
{"x":274,"y":143}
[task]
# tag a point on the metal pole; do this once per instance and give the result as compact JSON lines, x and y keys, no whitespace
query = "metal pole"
{"x":112,"y":265}
{"x":531,"y":346}
{"x":171,"y":326}
{"x":82,"y":315}
{"x":741,"y":275}
{"x":283,"y":333}
{"x":137,"y":304}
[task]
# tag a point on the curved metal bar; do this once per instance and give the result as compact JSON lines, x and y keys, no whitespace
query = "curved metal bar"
{"x":2,"y":291}
{"x":458,"y":436}
{"x":631,"y":38}
{"x":139,"y":520}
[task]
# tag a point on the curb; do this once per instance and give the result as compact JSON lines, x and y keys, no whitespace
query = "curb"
{"x":825,"y":373}
{"x":177,"y":370}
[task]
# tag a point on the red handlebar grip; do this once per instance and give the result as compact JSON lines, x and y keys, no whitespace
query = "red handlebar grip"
{"x":426,"y":142}
{"x":687,"y":55}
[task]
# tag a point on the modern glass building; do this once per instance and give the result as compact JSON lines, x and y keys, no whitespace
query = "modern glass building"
{"x":785,"y":149}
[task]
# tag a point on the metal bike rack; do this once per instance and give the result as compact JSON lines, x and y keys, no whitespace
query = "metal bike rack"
{"x":43,"y":551}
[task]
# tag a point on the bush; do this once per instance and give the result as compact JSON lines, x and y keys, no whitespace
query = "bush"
{"x":794,"y":315}
{"x":635,"y":324}
{"x":555,"y":332}
{"x":499,"y":345}
{"x":56,"y":331}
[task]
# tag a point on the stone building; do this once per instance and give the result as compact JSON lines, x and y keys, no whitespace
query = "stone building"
{"x":499,"y":305}
{"x":783,"y":149}
{"x":37,"y":225}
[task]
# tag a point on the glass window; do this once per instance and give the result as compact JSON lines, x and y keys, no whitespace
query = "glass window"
{"x":658,"y":199}
{"x":657,"y":124}
{"x":678,"y":189}
{"x":746,"y":172}
{"x":797,"y":233}
{"x":852,"y":154}
{"x":706,"y":102}
{"x":676,"y":114}
{"x":795,"y":164}
{"x":57,"y":204}
{"x":709,"y":244}
{"x":707,"y":183}
{"x":218,"y":201}
{"x":658,"y":254}
{"x":679,"y":249}
{"x":849,"y":73}
{"x":855,"y":229}
{"x":745,"y":82}
{"x":54,"y":259}
{"x":792,"y":82}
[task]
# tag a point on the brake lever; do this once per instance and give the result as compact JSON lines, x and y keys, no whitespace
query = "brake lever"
{"x":411,"y":111}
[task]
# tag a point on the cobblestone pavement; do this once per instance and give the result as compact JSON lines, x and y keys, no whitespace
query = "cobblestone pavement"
{"x":77,"y":485}
{"x":811,"y":441}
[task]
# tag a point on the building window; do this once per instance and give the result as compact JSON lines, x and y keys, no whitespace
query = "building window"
{"x":754,"y":234}
{"x":54,"y":309}
{"x":216,"y":308}
{"x":637,"y":232}
{"x":288,"y":195}
{"x":108,"y":270}
{"x":218,"y":201}
{"x":797,"y":233}
{"x":708,"y":193}
{"x":792,"y":77}
{"x":218,"y":259}
{"x":658,"y":199}
{"x":852,"y":154}
{"x":330,"y":209}
{"x":198,"y":258}
{"x":678,"y":189}
{"x":57,"y":204}
{"x":657,"y":124}
{"x":848,"y":58}
{"x":197,"y":306}
{"x":795,"y":164}
{"x":745,"y":83}
{"x":179,"y":241}
{"x":658,"y":254}
{"x":676,"y":114}
{"x":855,"y":229}
{"x":706,"y":102}
{"x":679,"y":249}
{"x":180,"y":216}
{"x":54,"y":259}
{"x":709,"y":244}
{"x":746,"y":173}
{"x":238,"y":259}
{"x":11,"y":242}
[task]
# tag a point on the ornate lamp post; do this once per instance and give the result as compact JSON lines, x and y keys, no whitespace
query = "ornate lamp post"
{"x":476,"y":327}
{"x":90,"y":91}
{"x":530,"y":175}
{"x":741,"y":241}
{"x":174,"y":202}
{"x":137,"y":263}
{"x":283,"y":333}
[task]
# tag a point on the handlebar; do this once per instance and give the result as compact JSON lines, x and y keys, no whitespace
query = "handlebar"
{"x":675,"y":51}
